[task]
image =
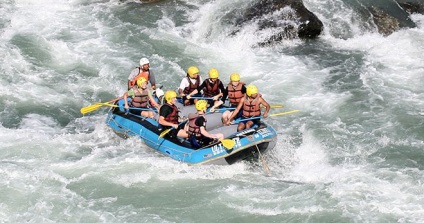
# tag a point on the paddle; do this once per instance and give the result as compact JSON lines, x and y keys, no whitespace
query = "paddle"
{"x":229,"y":109}
{"x":166,"y":131}
{"x":272,"y":115}
{"x":228,"y":143}
{"x":96,"y":106}
{"x":200,"y":97}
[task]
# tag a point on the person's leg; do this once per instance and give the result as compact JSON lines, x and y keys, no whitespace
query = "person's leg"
{"x":241,"y":126}
{"x":226,"y":115}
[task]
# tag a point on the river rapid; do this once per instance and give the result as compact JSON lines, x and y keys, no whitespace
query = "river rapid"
{"x":354,"y":152}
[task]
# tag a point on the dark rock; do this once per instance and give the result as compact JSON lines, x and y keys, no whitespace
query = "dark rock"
{"x":412,"y":7}
{"x":385,"y":23}
{"x":291,"y":17}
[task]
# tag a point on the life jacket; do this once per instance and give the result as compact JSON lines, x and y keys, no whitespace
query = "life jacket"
{"x":193,"y":129}
{"x":211,"y":89}
{"x":173,"y":117}
{"x":191,"y":87}
{"x":141,"y":74}
{"x":251,"y":108}
{"x":234,"y":93}
{"x":140,"y":99}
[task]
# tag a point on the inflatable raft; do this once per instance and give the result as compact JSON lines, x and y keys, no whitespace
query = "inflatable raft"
{"x":248,"y":143}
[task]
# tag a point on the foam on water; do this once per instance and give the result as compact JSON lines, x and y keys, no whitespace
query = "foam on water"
{"x":350,"y":154}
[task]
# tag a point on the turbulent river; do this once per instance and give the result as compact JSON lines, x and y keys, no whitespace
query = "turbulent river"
{"x":354,"y":152}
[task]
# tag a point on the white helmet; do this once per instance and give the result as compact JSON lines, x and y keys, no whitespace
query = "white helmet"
{"x":144,"y":61}
{"x":159,"y":92}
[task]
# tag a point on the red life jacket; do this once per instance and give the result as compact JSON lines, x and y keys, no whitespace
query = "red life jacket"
{"x":173,"y":116}
{"x":211,"y":89}
{"x":191,"y":87}
{"x":140,"y":99}
{"x":193,"y":129}
{"x":234,"y":93}
{"x":251,"y":108}
{"x":141,"y":74}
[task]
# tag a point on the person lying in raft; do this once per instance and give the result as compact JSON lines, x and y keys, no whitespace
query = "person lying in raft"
{"x":198,"y":135}
{"x":251,"y":105}
{"x":141,"y":98}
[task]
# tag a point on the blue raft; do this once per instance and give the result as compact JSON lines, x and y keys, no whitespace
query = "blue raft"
{"x":247,"y":142}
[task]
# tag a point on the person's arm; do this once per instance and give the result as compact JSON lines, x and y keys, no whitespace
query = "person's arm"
{"x":184,"y":83}
{"x":133,"y":74}
{"x":128,"y":93}
{"x":267,"y":107}
{"x":153,"y":101}
{"x":225,"y":95}
{"x":221,"y":91}
{"x":201,"y":121}
{"x":196,"y":90}
{"x":152,"y":80}
{"x":206,"y":133}
{"x":240,"y":104}
{"x":126,"y":100}
{"x":243,"y":89}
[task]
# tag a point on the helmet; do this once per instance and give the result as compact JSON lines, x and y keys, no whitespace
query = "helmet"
{"x":235,"y":77}
{"x":140,"y":81}
{"x":213,"y":73}
{"x":201,"y":105}
{"x":169,"y":95}
{"x":251,"y":89}
{"x":192,"y":71}
{"x":159,"y":92}
{"x":144,"y":61}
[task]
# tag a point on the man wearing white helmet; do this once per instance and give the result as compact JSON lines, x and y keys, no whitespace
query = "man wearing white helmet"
{"x":142,"y":71}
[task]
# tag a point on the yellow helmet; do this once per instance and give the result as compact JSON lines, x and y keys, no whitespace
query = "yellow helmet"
{"x":192,"y":71}
{"x":235,"y":77}
{"x":169,"y":95}
{"x":251,"y":90}
{"x":213,"y":73}
{"x":140,"y":81}
{"x":201,"y":105}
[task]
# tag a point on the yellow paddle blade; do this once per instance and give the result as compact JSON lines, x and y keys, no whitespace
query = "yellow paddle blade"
{"x":274,"y":106}
{"x":284,"y":113}
{"x":228,"y":143}
{"x":90,"y":108}
{"x":94,"y":107}
{"x":277,"y":106}
{"x":162,"y":134}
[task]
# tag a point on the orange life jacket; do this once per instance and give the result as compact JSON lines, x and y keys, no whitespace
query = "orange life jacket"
{"x":234,"y":93}
{"x":251,"y":108}
{"x":141,"y":74}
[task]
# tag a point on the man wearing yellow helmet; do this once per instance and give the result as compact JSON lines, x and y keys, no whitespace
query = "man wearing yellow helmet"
{"x":168,"y":116}
{"x":141,"y":97}
{"x":142,"y":71}
{"x":189,"y":83}
{"x":235,"y":91}
{"x":198,"y":135}
{"x":212,"y":87}
{"x":251,"y":105}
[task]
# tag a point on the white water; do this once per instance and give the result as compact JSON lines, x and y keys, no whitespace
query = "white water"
{"x":353,"y":153}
